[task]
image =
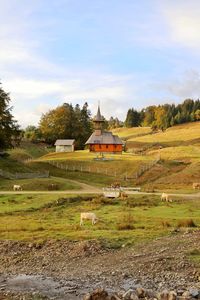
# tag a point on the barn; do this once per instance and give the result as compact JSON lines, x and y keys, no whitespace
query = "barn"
{"x":65,"y":145}
{"x":103,"y":141}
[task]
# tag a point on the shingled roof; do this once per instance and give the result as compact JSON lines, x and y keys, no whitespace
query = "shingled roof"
{"x":105,"y":138}
{"x":64,"y":142}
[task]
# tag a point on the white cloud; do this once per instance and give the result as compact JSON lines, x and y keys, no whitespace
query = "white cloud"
{"x":182,"y":19}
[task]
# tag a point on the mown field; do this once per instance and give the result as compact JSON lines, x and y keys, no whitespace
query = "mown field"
{"x":141,"y":217}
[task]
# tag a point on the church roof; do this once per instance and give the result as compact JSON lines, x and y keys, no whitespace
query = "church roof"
{"x":105,"y":138}
{"x":98,"y":117}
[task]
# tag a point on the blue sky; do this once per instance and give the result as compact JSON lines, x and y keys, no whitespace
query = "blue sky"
{"x":124,"y":54}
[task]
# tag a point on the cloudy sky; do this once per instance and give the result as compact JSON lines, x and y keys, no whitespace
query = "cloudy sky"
{"x":124,"y":54}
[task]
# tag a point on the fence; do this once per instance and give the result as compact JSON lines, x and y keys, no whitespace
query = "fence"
{"x":113,"y":173}
{"x":82,"y":168}
{"x":9,"y":175}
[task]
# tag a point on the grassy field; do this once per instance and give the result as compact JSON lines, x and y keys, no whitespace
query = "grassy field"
{"x":184,"y":134}
{"x":178,"y":169}
{"x":115,"y":165}
{"x":41,"y":217}
{"x":39,"y":184}
{"x":128,"y":133}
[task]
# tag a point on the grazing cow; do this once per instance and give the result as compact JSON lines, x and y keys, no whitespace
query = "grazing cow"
{"x":17,"y":187}
{"x":165,"y":197}
{"x":88,"y":216}
{"x":196,"y":185}
{"x":123,"y":195}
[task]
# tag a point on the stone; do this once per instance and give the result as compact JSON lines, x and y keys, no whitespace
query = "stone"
{"x":164,"y":295}
{"x":186,"y":295}
{"x":130,"y":295}
{"x":140,"y":292}
{"x":195,"y":293}
{"x":172,"y":295}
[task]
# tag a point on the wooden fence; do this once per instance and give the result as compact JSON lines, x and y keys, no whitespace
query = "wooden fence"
{"x":81,"y":168}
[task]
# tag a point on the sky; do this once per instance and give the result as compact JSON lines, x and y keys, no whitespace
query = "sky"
{"x":122,"y":54}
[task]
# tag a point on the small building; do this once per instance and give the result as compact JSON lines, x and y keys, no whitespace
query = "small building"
{"x":65,"y":145}
{"x":103,"y":141}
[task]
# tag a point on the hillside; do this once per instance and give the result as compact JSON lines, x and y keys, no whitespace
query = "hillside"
{"x":178,"y":148}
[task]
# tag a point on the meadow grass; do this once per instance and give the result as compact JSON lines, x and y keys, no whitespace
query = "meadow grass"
{"x":174,"y":136}
{"x":40,"y":217}
{"x":127,"y":133}
{"x":39,"y":184}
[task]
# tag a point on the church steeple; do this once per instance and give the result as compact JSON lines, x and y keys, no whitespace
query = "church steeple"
{"x":98,"y":121}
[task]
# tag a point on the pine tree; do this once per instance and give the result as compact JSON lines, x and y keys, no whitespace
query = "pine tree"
{"x":9,"y":129}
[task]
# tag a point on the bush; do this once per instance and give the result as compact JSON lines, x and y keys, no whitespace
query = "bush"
{"x":165,"y":223}
{"x":141,"y":202}
{"x":126,"y":223}
{"x":186,"y":223}
{"x":104,"y":201}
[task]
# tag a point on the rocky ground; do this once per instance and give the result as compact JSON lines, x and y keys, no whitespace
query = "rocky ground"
{"x":69,"y":270}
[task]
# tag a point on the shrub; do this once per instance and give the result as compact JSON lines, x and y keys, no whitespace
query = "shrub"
{"x":126,"y":223}
{"x":104,"y":201}
{"x":141,"y":202}
{"x":165,"y":223}
{"x":186,"y":223}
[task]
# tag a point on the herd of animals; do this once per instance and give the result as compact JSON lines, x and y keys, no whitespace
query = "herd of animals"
{"x":92,"y":216}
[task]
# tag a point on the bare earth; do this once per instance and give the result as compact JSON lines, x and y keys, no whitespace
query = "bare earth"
{"x":67,"y":270}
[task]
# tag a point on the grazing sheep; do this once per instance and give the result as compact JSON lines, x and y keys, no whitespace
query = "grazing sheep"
{"x":17,"y":187}
{"x":196,"y":185}
{"x":165,"y":197}
{"x":88,"y":216}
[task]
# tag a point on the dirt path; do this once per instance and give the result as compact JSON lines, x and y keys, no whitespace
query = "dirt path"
{"x":92,"y":190}
{"x":67,"y":270}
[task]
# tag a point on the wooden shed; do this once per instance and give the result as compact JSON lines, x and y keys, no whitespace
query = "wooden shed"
{"x":65,"y":145}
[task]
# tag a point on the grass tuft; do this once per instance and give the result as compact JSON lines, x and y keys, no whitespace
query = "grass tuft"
{"x":186,"y":223}
{"x":126,"y":223}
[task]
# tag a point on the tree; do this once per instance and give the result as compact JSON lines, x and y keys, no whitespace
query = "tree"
{"x":9,"y":129}
{"x":66,"y":122}
{"x":132,"y":118}
{"x":32,"y":133}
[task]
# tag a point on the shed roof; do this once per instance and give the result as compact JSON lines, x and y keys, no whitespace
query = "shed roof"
{"x":64,"y":142}
{"x":105,"y":138}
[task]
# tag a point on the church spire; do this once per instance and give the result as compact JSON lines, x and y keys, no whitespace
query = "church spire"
{"x":98,"y":117}
{"x":98,"y":120}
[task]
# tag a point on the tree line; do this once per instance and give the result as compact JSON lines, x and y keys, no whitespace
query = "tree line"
{"x":164,"y":116}
{"x":74,"y":122}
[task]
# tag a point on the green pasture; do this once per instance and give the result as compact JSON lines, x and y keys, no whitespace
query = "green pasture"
{"x":39,"y":184}
{"x":115,"y":165}
{"x":141,"y":217}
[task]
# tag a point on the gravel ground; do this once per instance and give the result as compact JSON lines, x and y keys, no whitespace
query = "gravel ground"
{"x":68,"y":270}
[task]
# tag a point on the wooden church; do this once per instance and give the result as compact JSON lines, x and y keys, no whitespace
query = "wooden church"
{"x":103,"y":141}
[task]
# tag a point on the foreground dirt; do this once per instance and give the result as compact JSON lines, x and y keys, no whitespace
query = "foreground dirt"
{"x":68,"y":270}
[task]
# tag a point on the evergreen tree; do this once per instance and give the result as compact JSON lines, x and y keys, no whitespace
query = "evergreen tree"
{"x":9,"y":129}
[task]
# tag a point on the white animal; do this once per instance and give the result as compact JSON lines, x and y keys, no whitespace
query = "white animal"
{"x":17,"y":187}
{"x":165,"y":197}
{"x":196,"y":186}
{"x":88,"y":216}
